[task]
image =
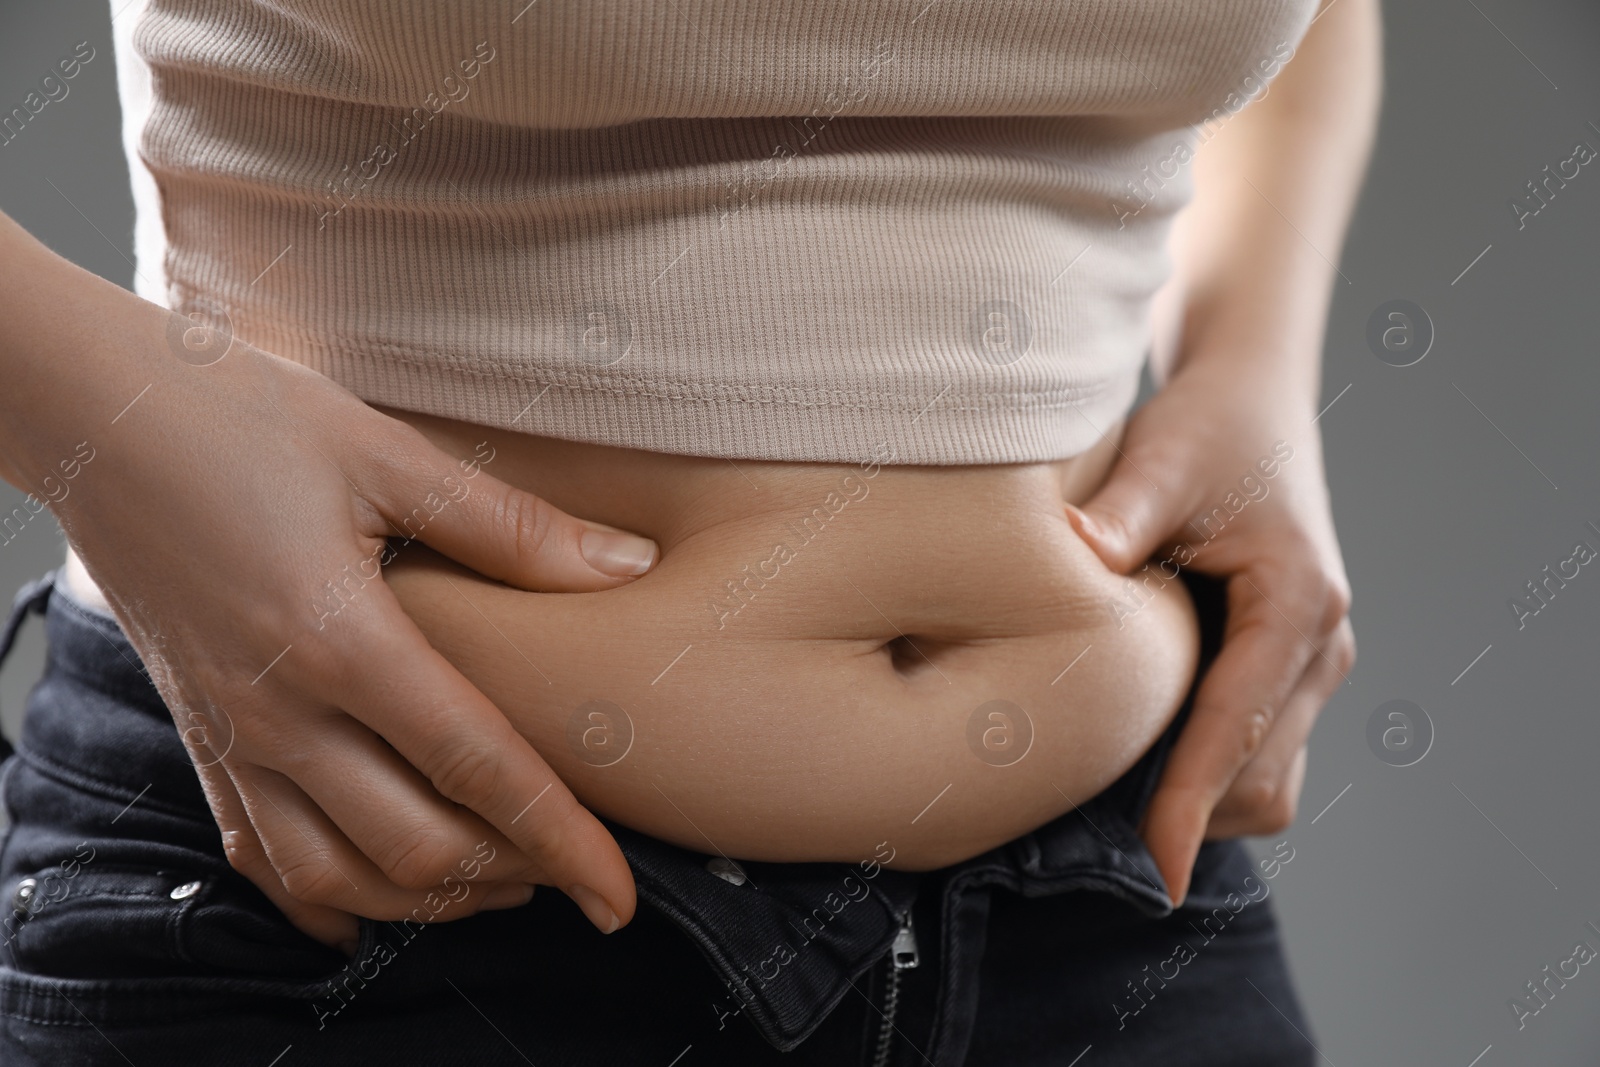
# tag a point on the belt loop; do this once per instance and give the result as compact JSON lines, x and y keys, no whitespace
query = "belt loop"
{"x":30,"y":598}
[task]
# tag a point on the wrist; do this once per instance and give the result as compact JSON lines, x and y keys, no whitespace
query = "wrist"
{"x":1275,"y":363}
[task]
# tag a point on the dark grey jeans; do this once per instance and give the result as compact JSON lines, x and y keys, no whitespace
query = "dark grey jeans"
{"x":129,"y":939}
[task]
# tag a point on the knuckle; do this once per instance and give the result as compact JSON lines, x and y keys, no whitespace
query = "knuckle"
{"x":1279,"y":814}
{"x":1263,"y":804}
{"x":313,"y":879}
{"x":416,"y":861}
{"x":317,"y":663}
{"x":1253,"y":730}
{"x":470,"y":774}
{"x":529,"y":521}
{"x":554,"y":835}
{"x":242,"y":852}
{"x":337,"y":665}
{"x":1259,"y":797}
{"x":1335,"y":601}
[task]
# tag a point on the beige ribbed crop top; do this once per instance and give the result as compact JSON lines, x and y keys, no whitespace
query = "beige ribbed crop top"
{"x":778,"y":229}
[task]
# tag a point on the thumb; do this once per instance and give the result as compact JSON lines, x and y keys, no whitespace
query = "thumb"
{"x":1129,"y":517}
{"x":513,"y":536}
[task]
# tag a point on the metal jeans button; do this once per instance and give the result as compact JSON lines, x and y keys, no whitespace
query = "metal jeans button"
{"x":185,"y":891}
{"x":24,"y":897}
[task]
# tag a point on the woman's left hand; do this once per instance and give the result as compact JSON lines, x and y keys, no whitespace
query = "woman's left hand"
{"x":1199,"y":475}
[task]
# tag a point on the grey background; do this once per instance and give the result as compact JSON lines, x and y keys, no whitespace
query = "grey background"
{"x":1412,"y":916}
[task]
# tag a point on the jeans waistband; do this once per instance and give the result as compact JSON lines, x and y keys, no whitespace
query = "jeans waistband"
{"x":787,"y":940}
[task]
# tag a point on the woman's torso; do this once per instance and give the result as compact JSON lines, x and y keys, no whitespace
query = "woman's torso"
{"x":912,"y":234}
{"x":822,"y":648}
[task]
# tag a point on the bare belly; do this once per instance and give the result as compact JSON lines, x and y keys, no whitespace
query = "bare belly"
{"x":826,"y":657}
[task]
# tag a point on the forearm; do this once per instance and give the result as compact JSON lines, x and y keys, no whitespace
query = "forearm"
{"x":67,"y":370}
{"x":1255,"y":252}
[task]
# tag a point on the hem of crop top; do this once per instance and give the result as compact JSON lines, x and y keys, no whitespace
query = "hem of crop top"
{"x":721,"y":420}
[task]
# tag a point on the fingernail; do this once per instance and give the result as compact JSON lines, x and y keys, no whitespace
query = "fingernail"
{"x":621,"y":555}
{"x":594,"y":906}
{"x":502,"y":897}
{"x":1081,"y":521}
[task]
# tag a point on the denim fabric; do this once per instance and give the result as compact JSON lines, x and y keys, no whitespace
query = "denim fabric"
{"x":129,"y":938}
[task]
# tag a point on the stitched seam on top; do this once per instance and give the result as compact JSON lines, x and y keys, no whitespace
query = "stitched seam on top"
{"x":886,"y":402}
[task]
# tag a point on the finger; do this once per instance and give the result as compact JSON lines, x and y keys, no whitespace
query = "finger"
{"x":466,"y":747}
{"x":317,"y":864}
{"x":1263,"y":657}
{"x":243,"y":848}
{"x":396,"y":818}
{"x":502,"y":532}
{"x":1264,"y":797}
{"x":1282,"y":808}
{"x":1143,"y":501}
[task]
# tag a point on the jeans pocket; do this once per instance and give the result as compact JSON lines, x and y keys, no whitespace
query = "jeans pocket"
{"x":90,"y":944}
{"x":94,"y":920}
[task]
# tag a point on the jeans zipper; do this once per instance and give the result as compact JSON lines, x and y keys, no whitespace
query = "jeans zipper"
{"x":902,"y":957}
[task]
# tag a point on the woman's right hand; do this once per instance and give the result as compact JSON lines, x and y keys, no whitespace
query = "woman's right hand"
{"x":234,"y":513}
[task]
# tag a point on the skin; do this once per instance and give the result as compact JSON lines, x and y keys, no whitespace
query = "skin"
{"x":816,"y":711}
{"x":329,"y":820}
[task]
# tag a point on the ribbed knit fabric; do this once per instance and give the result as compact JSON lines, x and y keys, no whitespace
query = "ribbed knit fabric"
{"x":776,"y":229}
